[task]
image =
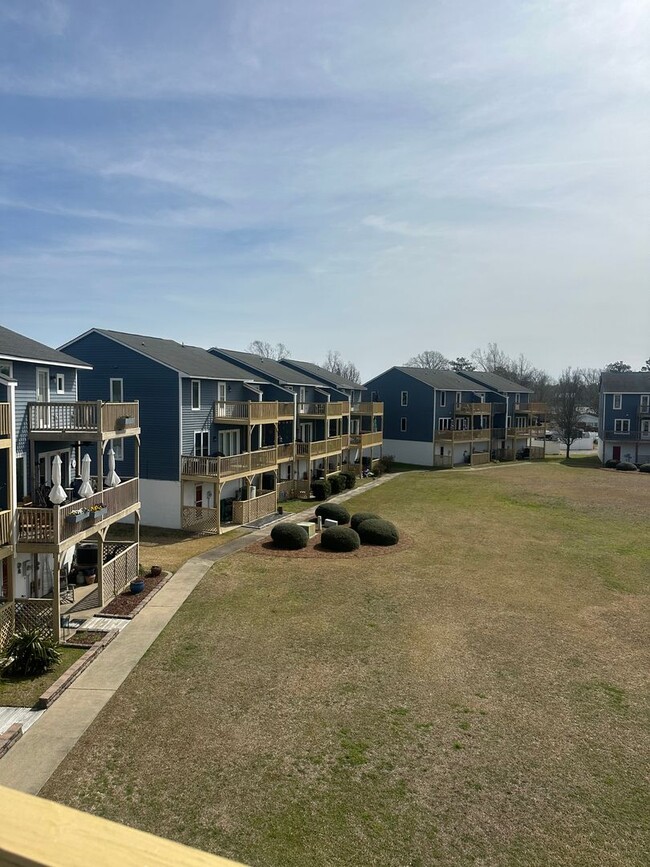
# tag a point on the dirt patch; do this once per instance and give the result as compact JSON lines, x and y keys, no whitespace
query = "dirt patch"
{"x":127,"y":602}
{"x":86,"y":637}
{"x":315,"y":549}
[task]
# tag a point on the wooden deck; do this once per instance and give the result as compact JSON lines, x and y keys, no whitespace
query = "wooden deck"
{"x":232,"y":467}
{"x":365,"y":440}
{"x":83,"y":420}
{"x":368,"y":408}
{"x":462,"y":436}
{"x":253,"y":412}
{"x":327,"y":409}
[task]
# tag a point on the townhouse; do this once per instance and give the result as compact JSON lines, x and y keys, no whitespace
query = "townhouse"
{"x":443,"y":419}
{"x":59,"y":487}
{"x":624,"y":417}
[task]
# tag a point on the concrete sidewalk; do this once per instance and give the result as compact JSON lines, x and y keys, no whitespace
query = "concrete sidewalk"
{"x":29,"y":764}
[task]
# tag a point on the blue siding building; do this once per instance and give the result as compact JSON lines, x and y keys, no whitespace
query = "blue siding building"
{"x":624,"y":417}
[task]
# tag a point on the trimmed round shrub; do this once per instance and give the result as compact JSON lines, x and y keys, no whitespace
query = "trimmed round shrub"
{"x":321,"y":489}
{"x":644,"y":468}
{"x":387,"y":462}
{"x":626,"y":466}
{"x":334,"y":512}
{"x":289,"y":536}
{"x":360,"y":517}
{"x":337,"y":483}
{"x":611,"y":464}
{"x":375,"y":531}
{"x":350,"y":478}
{"x":340,"y":539}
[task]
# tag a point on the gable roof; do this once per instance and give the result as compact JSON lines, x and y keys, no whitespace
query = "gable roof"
{"x":192,"y":361}
{"x":445,"y":380}
{"x":317,"y":371}
{"x":495,"y":382}
{"x":17,"y":347}
{"x":631,"y":381}
{"x":270,"y":367}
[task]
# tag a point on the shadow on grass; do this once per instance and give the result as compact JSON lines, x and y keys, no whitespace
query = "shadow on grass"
{"x":592,"y":462}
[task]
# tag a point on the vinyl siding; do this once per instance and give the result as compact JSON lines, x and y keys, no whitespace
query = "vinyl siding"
{"x":418,"y":413}
{"x":24,"y":373}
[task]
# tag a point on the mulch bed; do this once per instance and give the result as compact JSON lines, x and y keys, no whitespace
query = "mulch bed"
{"x":86,"y":637}
{"x":126,"y":602}
{"x":314,"y":549}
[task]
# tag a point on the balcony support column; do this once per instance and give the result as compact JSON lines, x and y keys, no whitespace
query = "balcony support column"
{"x":100,"y":466}
{"x":56,"y":597}
{"x":100,"y":567}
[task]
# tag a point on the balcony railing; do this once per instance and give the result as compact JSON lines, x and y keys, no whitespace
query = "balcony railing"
{"x":286,"y":452}
{"x":474,"y":408}
{"x":244,"y":511}
{"x":533,"y":406}
{"x":247,"y":463}
{"x":318,"y":448}
{"x":5,"y":420}
{"x":83,"y":417}
{"x":364,"y":440}
{"x":633,"y":434}
{"x":368,"y":408}
{"x":329,"y":409}
{"x":52,"y":526}
{"x":252,"y":412}
{"x":464,"y":435}
{"x":5,"y":528}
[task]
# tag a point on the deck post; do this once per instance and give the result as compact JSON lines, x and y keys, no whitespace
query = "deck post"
{"x":56,"y":597}
{"x":100,"y":568}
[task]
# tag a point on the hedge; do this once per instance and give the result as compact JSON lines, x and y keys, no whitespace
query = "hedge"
{"x":340,"y":539}
{"x":626,"y":466}
{"x":337,"y":483}
{"x":321,"y":489}
{"x":645,"y":468}
{"x":334,"y":512}
{"x":375,"y":531}
{"x":360,"y":517}
{"x":611,"y":464}
{"x":350,"y":478}
{"x":289,"y":536}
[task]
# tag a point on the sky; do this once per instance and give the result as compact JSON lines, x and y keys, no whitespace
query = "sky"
{"x":373,"y":177}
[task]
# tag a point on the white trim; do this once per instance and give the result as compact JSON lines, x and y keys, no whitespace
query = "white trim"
{"x":404,"y":398}
{"x":403,"y":424}
{"x":204,"y":443}
{"x":80,"y":366}
{"x":9,"y":375}
{"x":221,"y":434}
{"x":617,"y":404}
{"x":624,"y":425}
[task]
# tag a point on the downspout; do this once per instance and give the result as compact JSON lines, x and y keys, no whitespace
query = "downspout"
{"x":435,"y":394}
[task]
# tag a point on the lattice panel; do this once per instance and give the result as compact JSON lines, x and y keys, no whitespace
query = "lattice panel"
{"x":7,"y":623}
{"x":35,"y":614}
{"x":119,"y":571}
{"x":197,"y":519}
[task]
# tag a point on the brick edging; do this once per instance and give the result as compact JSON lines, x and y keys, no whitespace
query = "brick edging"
{"x":59,"y":686}
{"x":7,"y":739}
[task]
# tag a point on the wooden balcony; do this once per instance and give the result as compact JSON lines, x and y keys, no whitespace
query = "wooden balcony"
{"x":83,"y":420}
{"x":368,"y":408}
{"x":366,"y":440}
{"x":462,"y":436}
{"x":244,"y":511}
{"x":232,"y":467}
{"x":473,"y":408}
{"x":628,"y":436}
{"x":5,"y":528}
{"x":331,"y":409}
{"x":535,"y":407}
{"x":57,"y":528}
{"x":320,"y":448}
{"x":5,"y":421}
{"x":252,"y":411}
{"x":286,"y":452}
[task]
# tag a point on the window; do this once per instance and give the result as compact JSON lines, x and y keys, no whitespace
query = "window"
{"x":374,"y":396}
{"x":355,"y":427}
{"x":118,"y":449}
{"x":622,"y":425}
{"x":196,"y":394}
{"x":443,"y":398}
{"x":198,"y":496}
{"x":402,"y":424}
{"x":444,"y":424}
{"x":116,"y":391}
{"x":404,"y":399}
{"x":202,"y":443}
{"x":645,"y":428}
{"x":42,"y":384}
{"x":509,"y":421}
{"x":60,"y":383}
{"x":229,"y":442}
{"x":645,"y":402}
{"x":6,"y":369}
{"x":481,"y":397}
{"x":617,"y":401}
{"x":517,"y":398}
{"x":459,"y":398}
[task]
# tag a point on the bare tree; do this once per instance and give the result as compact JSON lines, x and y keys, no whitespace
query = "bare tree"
{"x":492,"y":359}
{"x":267,"y":350}
{"x":460,"y":364}
{"x":590,"y":387}
{"x":617,"y":367}
{"x":646,"y":366}
{"x":335,"y":364}
{"x":431,"y":359}
{"x":566,"y":404}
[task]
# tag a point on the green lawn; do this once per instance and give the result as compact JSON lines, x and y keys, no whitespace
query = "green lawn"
{"x":25,"y":691}
{"x":478,"y":698}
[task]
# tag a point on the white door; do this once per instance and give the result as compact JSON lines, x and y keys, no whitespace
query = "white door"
{"x":305,"y":432}
{"x":42,"y":385}
{"x":222,"y":391}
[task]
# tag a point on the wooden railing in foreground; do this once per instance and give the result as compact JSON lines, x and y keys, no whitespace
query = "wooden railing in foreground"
{"x":327,"y":409}
{"x":40,"y":833}
{"x":5,"y":420}
{"x":479,"y":458}
{"x":5,"y":528}
{"x":367,"y":439}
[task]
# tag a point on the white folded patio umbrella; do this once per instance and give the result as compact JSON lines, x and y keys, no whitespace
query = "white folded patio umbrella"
{"x":86,"y":489}
{"x":112,"y":479}
{"x":57,"y":494}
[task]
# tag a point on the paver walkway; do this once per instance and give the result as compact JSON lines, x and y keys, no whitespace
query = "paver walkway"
{"x":29,"y":764}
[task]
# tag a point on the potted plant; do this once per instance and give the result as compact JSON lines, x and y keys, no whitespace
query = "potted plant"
{"x":98,"y":511}
{"x":137,"y":585}
{"x":76,"y":516}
